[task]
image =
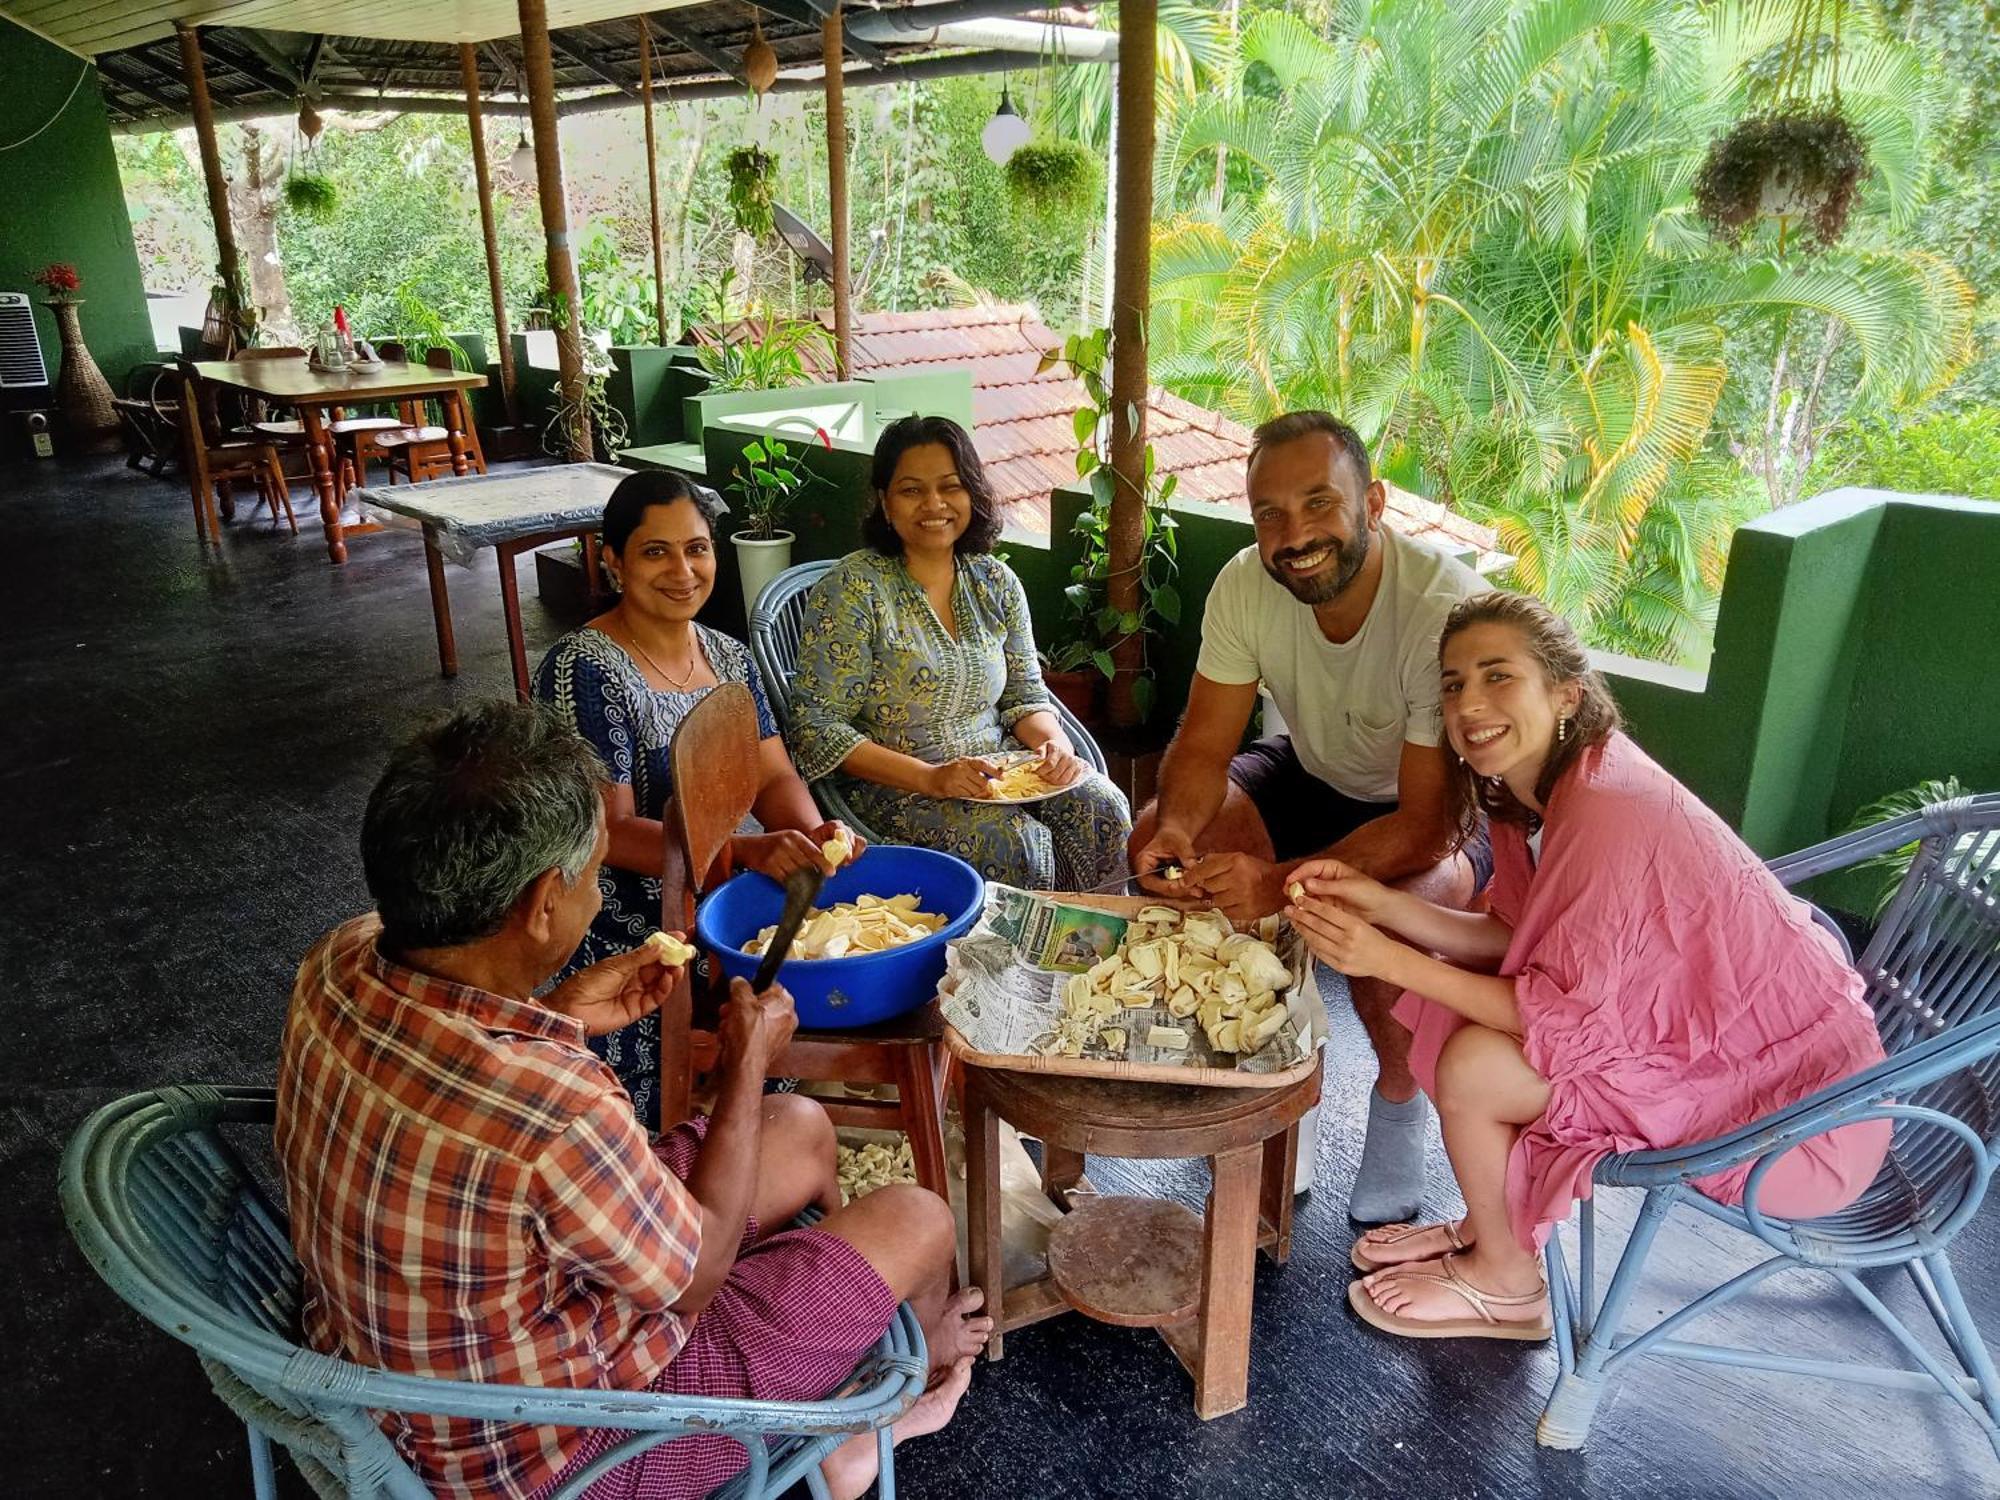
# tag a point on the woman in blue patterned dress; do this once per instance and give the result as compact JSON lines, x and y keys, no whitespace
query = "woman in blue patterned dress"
{"x":917,"y":663}
{"x":625,"y":681}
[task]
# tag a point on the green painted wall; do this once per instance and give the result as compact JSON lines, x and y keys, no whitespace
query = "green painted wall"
{"x":1852,"y":659}
{"x":63,"y":201}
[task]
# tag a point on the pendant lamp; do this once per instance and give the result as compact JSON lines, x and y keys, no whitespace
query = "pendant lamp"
{"x":1006,"y":132}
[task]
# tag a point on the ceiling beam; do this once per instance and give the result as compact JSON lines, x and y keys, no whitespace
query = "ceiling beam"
{"x":701,"y":47}
{"x":802,"y":13}
{"x":133,"y":86}
{"x":571,"y":54}
{"x":223,"y":47}
{"x":270,"y":51}
{"x":316,"y":50}
{"x":454,"y":104}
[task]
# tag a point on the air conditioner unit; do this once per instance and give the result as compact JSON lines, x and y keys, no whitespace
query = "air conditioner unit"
{"x":21,"y":363}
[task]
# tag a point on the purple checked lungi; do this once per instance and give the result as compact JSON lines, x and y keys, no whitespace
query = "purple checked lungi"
{"x":798,"y":1312}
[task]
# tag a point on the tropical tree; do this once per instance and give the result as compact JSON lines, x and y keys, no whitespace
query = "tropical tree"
{"x":1467,"y":227}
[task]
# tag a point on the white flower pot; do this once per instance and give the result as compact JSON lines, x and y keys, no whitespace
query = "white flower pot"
{"x":759,"y":561}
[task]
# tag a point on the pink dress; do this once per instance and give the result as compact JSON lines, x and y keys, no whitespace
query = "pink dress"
{"x":1670,"y":991}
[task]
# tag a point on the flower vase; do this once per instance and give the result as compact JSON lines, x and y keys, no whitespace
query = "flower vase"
{"x":758,"y":561}
{"x":83,"y":396}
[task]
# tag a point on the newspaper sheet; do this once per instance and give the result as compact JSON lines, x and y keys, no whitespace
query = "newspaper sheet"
{"x":1003,"y":987}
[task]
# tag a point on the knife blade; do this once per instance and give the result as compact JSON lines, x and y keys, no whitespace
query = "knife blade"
{"x":801,"y":890}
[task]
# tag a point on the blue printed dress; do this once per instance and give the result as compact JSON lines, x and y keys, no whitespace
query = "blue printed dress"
{"x":876,"y":663}
{"x":601,"y":693}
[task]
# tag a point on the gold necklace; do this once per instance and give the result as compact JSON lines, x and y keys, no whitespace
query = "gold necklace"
{"x":680,"y":684}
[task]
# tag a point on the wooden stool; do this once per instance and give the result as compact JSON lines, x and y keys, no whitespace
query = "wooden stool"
{"x":1132,"y":1260}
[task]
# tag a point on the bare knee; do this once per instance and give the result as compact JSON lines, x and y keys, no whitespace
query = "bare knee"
{"x":1484,"y":1072}
{"x":1448,"y":883}
{"x":797,"y":1129}
{"x":904,"y":1231}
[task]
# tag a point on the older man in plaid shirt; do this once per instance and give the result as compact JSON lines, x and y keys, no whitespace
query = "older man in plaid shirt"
{"x":471,"y":1197}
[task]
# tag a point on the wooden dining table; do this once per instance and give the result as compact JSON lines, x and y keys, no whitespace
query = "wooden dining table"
{"x":318,"y":395}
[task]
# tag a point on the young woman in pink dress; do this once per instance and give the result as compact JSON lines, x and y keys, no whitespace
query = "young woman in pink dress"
{"x":1638,"y":980}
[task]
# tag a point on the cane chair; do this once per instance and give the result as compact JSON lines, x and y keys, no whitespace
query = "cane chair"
{"x":777,"y":623}
{"x":173,"y":1219}
{"x":1932,"y":972}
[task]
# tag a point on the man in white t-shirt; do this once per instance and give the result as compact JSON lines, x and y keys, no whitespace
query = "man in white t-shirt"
{"x":1338,"y":617}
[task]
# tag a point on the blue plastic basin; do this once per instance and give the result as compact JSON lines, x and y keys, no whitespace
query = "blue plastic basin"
{"x":869,"y":987}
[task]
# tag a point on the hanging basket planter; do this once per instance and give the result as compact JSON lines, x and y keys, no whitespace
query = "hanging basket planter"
{"x":1055,"y":186}
{"x":753,"y":174}
{"x":312,"y":195}
{"x":1796,"y":164}
{"x":760,"y":62}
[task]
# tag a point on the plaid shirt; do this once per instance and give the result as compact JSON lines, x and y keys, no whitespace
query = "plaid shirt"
{"x":472,"y":1199}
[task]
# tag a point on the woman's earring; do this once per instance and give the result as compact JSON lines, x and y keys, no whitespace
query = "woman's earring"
{"x":1562,"y":729}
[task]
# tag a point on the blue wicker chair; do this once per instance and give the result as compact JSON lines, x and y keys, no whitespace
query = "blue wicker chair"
{"x":1933,"y":978}
{"x":776,"y":624}
{"x":173,"y":1220}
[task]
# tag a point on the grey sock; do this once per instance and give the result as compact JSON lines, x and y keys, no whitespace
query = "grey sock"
{"x":1389,"y":1187}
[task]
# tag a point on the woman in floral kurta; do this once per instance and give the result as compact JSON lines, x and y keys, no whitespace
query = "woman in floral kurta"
{"x":918,"y":662}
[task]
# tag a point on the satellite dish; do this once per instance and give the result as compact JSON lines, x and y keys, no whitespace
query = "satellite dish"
{"x":813,"y":251}
{"x":816,"y":256}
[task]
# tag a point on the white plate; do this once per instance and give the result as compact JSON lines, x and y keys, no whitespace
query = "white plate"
{"x":1013,"y":758}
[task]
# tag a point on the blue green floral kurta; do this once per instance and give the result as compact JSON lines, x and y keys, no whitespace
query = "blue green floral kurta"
{"x":876,"y":663}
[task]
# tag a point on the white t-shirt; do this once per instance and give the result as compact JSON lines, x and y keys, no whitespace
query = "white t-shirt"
{"x":1350,"y":707}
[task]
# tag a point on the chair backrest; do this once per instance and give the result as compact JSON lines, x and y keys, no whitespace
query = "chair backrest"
{"x":778,"y":621}
{"x":173,"y":1220}
{"x":1932,"y":967}
{"x":714,"y":748}
{"x":1934,"y":960}
{"x":438,"y":357}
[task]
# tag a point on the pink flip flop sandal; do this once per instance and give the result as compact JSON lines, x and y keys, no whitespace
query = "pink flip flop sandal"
{"x":1395,"y":1234}
{"x":1485,"y":1326}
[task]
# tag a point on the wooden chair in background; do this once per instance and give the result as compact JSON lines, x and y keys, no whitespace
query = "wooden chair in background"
{"x":714,"y":762}
{"x":215,"y":466}
{"x":286,"y":433}
{"x":421,"y":449}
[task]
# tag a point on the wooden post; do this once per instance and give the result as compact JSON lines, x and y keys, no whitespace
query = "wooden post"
{"x":211,"y":170}
{"x":482,"y":174}
{"x":836,"y":191}
{"x":653,"y":185}
{"x":541,"y":82}
{"x":1132,"y":277}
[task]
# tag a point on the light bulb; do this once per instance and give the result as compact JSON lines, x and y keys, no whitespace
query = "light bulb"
{"x":1006,"y":132}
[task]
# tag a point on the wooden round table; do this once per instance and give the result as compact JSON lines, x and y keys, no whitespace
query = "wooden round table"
{"x":1132,"y":1260}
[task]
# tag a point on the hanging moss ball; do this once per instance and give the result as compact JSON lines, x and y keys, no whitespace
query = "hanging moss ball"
{"x":1054,"y":185}
{"x":312,"y":195}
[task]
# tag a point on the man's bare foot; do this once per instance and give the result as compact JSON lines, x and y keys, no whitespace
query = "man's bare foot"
{"x":852,"y":1467}
{"x":961,"y":1330}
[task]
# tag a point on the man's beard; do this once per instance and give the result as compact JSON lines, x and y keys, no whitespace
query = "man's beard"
{"x":1322,"y":588}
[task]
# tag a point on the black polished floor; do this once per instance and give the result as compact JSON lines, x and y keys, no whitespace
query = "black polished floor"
{"x":185,"y":745}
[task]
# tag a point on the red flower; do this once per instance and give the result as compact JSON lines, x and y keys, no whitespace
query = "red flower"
{"x":826,"y":439}
{"x":59,"y":277}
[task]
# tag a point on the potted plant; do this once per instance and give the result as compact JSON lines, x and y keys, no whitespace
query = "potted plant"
{"x":83,"y":396}
{"x":1101,"y":628}
{"x":1795,"y":162}
{"x":1798,"y":158}
{"x":753,"y":174}
{"x":766,"y":481}
{"x":1071,"y":674}
{"x":1055,"y":186}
